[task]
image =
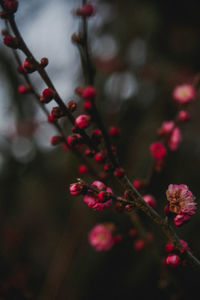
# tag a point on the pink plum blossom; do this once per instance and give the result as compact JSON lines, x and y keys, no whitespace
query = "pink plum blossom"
{"x":184,"y":93}
{"x":158,"y":151}
{"x":181,"y":202}
{"x":92,"y":199}
{"x":100,"y":237}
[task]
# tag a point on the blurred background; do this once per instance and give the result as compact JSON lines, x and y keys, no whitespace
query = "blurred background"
{"x":141,"y":50}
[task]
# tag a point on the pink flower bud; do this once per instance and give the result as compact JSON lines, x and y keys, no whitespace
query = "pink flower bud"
{"x":44,"y":62}
{"x":11,"y":5}
{"x":181,"y":218}
{"x":183,"y":116}
{"x":22,"y":89}
{"x":57,"y":112}
{"x":28,"y":66}
{"x":107,"y":167}
{"x":99,"y":157}
{"x":150,"y":200}
{"x":76,"y":188}
{"x":82,"y":169}
{"x":96,"y":132}
{"x":114,"y":131}
{"x":56,"y":140}
{"x":166,"y":128}
{"x":83,"y":121}
{"x":89,"y":93}
{"x":175,"y":139}
{"x":103,"y":196}
{"x":86,"y":10}
{"x":137,"y":183}
{"x":10,"y":41}
{"x":119,"y":172}
{"x":169,"y":247}
{"x":51,"y":119}
{"x":74,"y":139}
{"x":99,"y":185}
{"x":87,"y":106}
{"x":21,"y":70}
{"x":48,"y":94}
{"x":185,"y":246}
{"x":158,"y":151}
{"x":89,"y":152}
{"x":102,"y":205}
{"x":173,"y":260}
{"x":72,"y":105}
{"x":139,"y":244}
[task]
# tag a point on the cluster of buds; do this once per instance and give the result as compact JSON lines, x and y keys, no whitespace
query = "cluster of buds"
{"x":175,"y":256}
{"x":88,"y":94}
{"x":97,"y":196}
{"x":29,"y":65}
{"x":123,"y":203}
{"x":169,"y":131}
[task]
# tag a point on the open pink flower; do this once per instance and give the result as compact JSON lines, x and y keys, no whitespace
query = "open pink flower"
{"x":100,"y":237}
{"x":92,"y":200}
{"x":181,"y":202}
{"x":184,"y":93}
